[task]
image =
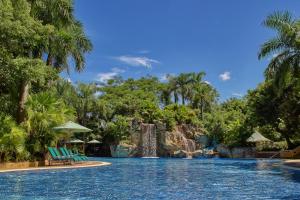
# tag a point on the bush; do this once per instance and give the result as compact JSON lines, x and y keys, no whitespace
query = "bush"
{"x":180,"y":114}
{"x":12,"y":140}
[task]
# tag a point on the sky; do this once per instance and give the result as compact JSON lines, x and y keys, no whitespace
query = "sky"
{"x":134,"y":38}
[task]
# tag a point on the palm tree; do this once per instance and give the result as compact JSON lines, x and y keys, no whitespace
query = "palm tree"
{"x":204,"y":96}
{"x":165,"y":94}
{"x":182,"y":84}
{"x":68,"y":40}
{"x":44,"y":111}
{"x":86,"y":98}
{"x":285,"y":48}
{"x":173,"y":87}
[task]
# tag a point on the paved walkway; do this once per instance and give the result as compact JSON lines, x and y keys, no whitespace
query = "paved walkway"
{"x":74,"y":166}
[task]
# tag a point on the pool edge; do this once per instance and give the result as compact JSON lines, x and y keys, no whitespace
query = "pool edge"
{"x":95,"y":164}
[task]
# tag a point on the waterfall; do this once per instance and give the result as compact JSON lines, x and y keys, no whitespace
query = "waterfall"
{"x":148,"y":140}
{"x":187,"y":144}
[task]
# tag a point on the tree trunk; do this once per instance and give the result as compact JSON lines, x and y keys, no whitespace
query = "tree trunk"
{"x":202,"y":108}
{"x":183,"y":99}
{"x":175,"y":98}
{"x":288,"y":141}
{"x":23,"y":94}
{"x":49,"y":60}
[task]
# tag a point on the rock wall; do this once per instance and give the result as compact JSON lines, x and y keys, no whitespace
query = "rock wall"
{"x":183,"y":140}
{"x":179,"y":142}
{"x":236,"y":152}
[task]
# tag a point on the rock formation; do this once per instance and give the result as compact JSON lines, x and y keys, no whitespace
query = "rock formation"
{"x":151,"y":140}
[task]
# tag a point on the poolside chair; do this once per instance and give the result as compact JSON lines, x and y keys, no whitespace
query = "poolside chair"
{"x":55,"y":156}
{"x":66,"y":153}
{"x":83,"y":157}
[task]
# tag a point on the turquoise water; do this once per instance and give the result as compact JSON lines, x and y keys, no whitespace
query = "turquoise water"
{"x":157,"y":179}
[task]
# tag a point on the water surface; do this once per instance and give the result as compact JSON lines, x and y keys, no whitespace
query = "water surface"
{"x":157,"y":179}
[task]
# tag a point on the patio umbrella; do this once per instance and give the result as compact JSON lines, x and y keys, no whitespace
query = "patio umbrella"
{"x":75,"y":141}
{"x":94,"y":142}
{"x":257,"y":137}
{"x":71,"y":127}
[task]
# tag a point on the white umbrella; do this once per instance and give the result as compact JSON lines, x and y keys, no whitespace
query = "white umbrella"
{"x":257,"y":137}
{"x":72,"y":127}
{"x":76,"y":141}
{"x":94,"y":142}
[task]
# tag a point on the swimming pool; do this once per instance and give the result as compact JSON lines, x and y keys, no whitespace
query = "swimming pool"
{"x":157,"y":179}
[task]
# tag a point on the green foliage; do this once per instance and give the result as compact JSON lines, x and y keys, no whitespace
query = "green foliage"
{"x":285,"y":65}
{"x":12,"y":140}
{"x":44,"y":111}
{"x":228,"y":123}
{"x":119,"y":128}
{"x":180,"y":114}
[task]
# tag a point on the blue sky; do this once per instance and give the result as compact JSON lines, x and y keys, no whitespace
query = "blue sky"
{"x":133,"y":38}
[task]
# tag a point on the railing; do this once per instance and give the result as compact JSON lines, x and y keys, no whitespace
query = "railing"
{"x":276,"y":154}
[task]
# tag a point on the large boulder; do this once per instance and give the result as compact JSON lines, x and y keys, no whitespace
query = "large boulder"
{"x":180,"y":154}
{"x":224,"y":151}
{"x":122,"y":150}
{"x":236,"y":152}
{"x":197,"y":154}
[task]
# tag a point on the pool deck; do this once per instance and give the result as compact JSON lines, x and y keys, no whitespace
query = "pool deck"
{"x":87,"y":164}
{"x":292,"y":164}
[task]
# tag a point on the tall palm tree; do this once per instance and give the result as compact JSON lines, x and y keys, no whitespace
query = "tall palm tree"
{"x":173,"y":87}
{"x":69,"y":42}
{"x":182,"y":82}
{"x":68,"y":39}
{"x":165,"y":94}
{"x":203,"y":97}
{"x":285,"y":48}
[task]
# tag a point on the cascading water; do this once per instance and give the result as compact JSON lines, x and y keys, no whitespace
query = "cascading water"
{"x":188,"y":145}
{"x":148,"y":140}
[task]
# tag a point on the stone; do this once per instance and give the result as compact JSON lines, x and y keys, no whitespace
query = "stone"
{"x":122,"y":151}
{"x":236,"y":152}
{"x":180,"y":154}
{"x":197,"y":154}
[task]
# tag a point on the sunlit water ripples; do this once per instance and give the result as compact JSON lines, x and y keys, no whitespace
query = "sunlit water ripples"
{"x":157,"y":179}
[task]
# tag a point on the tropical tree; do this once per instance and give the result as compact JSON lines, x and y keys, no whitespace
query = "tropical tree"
{"x":284,"y":48}
{"x":201,"y":94}
{"x":183,"y":81}
{"x":44,"y":111}
{"x":68,"y":40}
{"x":21,"y":35}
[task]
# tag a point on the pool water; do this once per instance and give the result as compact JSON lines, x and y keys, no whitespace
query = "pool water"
{"x":157,"y":179}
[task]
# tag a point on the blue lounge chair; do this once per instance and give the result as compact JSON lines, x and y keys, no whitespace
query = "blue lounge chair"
{"x":83,"y":157}
{"x":66,"y":153}
{"x":55,"y":156}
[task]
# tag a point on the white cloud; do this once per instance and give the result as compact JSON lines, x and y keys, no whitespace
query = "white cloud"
{"x":105,"y":76}
{"x":225,"y":76}
{"x":137,"y":61}
{"x":237,"y":94}
{"x":207,"y":82}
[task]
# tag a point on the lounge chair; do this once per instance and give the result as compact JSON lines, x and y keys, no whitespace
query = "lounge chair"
{"x":83,"y":157}
{"x":66,"y":153}
{"x":55,"y":156}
